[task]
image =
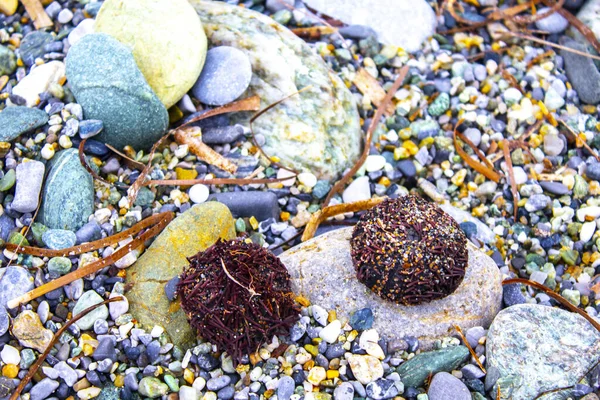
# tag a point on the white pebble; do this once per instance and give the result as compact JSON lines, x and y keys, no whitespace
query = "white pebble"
{"x":359,"y":189}
{"x":65,"y":142}
{"x":331,"y":332}
{"x":157,"y":331}
{"x":587,"y":231}
{"x":284,"y":173}
{"x":199,"y":383}
{"x":47,"y":151}
{"x":65,"y":16}
{"x":85,"y":27}
{"x":188,"y":393}
{"x":199,"y":193}
{"x":307,"y":179}
{"x":374,"y":162}
{"x":10,"y":355}
{"x":320,"y":314}
{"x":593,"y":212}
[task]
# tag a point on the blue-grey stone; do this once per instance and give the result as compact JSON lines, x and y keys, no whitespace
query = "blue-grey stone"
{"x":6,"y":387}
{"x":68,"y":194}
{"x":30,"y":176}
{"x":218,"y":383}
{"x":4,"y":321}
{"x":8,"y":61}
{"x":414,"y":371}
{"x":357,"y":32}
{"x":93,"y":8}
{"x":171,"y":288}
{"x":225,"y":76}
{"x":554,"y":23}
{"x":512,"y":294}
{"x":14,"y":282}
{"x":226,"y":393}
{"x":445,"y":386}
{"x":222,"y":135}
{"x":18,"y":120}
{"x":33,"y":46}
{"x":107,"y":83}
{"x":86,"y":300}
{"x":592,"y":171}
{"x":89,"y":232}
{"x":145,"y":197}
{"x":407,"y":167}
{"x":43,"y":389}
{"x":557,"y":188}
{"x":7,"y":225}
{"x":261,"y":205}
{"x":362,"y":319}
{"x":582,"y":72}
{"x":382,"y":389}
{"x":90,"y":127}
{"x":285,"y":388}
{"x":471,"y":371}
{"x":345,"y":391}
{"x":58,"y":239}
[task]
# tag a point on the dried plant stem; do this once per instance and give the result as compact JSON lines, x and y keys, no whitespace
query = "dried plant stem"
{"x":547,"y":43}
{"x":511,"y":176}
{"x":249,"y":289}
{"x":159,"y":222}
{"x":128,"y":160}
{"x":374,"y":122}
{"x":466,"y":342}
{"x":38,"y":363}
{"x":583,"y":143}
{"x":36,"y":11}
{"x":192,"y":136}
{"x":332,"y":211}
{"x":89,"y":169}
{"x":487,"y":168}
{"x":369,"y":86}
{"x":216,"y":181}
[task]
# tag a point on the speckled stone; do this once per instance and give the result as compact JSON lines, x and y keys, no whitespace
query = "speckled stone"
{"x":414,"y":371}
{"x":68,"y":194}
{"x":315,"y":131}
{"x":8,"y":61}
{"x":193,"y":231}
{"x":18,"y":120}
{"x":474,"y":303}
{"x":107,"y":83}
{"x":582,"y":72}
{"x":538,"y":349}
{"x":166,"y":38}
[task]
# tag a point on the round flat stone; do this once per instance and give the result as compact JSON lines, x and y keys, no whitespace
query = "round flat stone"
{"x":225,"y":76}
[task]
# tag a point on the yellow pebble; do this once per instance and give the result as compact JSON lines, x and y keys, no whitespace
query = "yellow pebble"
{"x":352,"y":335}
{"x":175,"y":114}
{"x":303,"y":301}
{"x":459,"y":177}
{"x":384,"y":181}
{"x":269,"y":393}
{"x":401,"y":153}
{"x":411,"y":147}
{"x":331,"y":374}
{"x":253,"y":223}
{"x":10,"y":371}
{"x":472,"y":186}
{"x":186,"y":173}
{"x":119,"y":381}
{"x":284,"y":216}
{"x":313,"y":350}
{"x":308,"y":365}
{"x":479,"y":211}
{"x":427,"y":142}
{"x":331,"y":316}
{"x":188,"y":375}
{"x":568,"y":181}
{"x":242,"y":368}
{"x":535,"y":141}
{"x":594,"y":188}
{"x":445,"y":165}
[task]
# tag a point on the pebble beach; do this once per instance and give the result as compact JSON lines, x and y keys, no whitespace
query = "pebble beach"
{"x":501,"y":132}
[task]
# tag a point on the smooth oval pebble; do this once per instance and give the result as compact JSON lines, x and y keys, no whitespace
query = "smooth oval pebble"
{"x":225,"y":76}
{"x":307,"y":179}
{"x":199,"y":193}
{"x":375,"y":163}
{"x":554,"y":23}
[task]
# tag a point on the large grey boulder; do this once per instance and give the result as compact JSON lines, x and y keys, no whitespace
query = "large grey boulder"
{"x":321,"y":269}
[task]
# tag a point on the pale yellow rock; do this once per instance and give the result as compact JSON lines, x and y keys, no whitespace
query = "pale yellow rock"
{"x":38,"y":81}
{"x":30,"y":332}
{"x":365,"y":368}
{"x":166,"y":38}
{"x":8,"y":7}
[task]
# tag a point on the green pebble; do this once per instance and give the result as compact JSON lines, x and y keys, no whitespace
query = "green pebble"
{"x":344,"y":54}
{"x":38,"y":230}
{"x":27,"y":358}
{"x":240,"y":225}
{"x":17,"y":238}
{"x":144,"y":198}
{"x":580,"y":188}
{"x":152,"y":387}
{"x":439,"y":105}
{"x":282,"y":16}
{"x":313,"y":208}
{"x":573,"y":228}
{"x":572,"y":296}
{"x":8,"y":181}
{"x":321,"y":189}
{"x":517,"y":157}
{"x":569,"y":256}
{"x":59,"y":266}
{"x":114,"y":197}
{"x":535,"y":258}
{"x":172,"y":383}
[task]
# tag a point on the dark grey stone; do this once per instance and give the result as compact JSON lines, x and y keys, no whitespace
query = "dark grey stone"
{"x":357,"y":31}
{"x":68,"y":194}
{"x":223,"y":135}
{"x":226,"y":393}
{"x":7,"y":225}
{"x":444,"y":386}
{"x":105,"y":349}
{"x":30,"y":176}
{"x":8,"y":61}
{"x":512,"y":294}
{"x":592,"y":171}
{"x":89,"y":232}
{"x":18,"y":120}
{"x":414,"y":371}
{"x":225,"y":76}
{"x":261,"y":205}
{"x":555,"y":188}
{"x":107,"y":83}
{"x":407,"y":167}
{"x":33,"y":46}
{"x":471,"y":371}
{"x":382,"y":389}
{"x":582,"y":72}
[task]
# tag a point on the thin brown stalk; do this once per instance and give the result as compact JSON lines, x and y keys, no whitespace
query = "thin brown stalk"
{"x":128,"y":160}
{"x":332,"y":211}
{"x":40,"y":360}
{"x":192,"y":136}
{"x":466,"y":342}
{"x":38,"y":15}
{"x":216,"y":181}
{"x":511,"y":176}
{"x":556,"y":297}
{"x":314,"y":32}
{"x":369,"y":137}
{"x":486,"y":168}
{"x":89,"y":169}
{"x":369,"y":86}
{"x":583,"y":143}
{"x":159,"y":222}
{"x":580,"y":26}
{"x":547,"y":43}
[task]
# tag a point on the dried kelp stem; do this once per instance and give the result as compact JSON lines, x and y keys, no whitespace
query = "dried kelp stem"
{"x":38,"y":363}
{"x":192,"y":136}
{"x":216,"y":181}
{"x":89,"y":169}
{"x":27,"y":229}
{"x":487,"y":168}
{"x":314,"y":32}
{"x":511,"y":176}
{"x":369,"y":86}
{"x":547,"y":43}
{"x":158,"y":223}
{"x":374,"y":122}
{"x":128,"y":160}
{"x":583,"y":143}
{"x":580,"y":26}
{"x":556,"y":297}
{"x":332,"y":211}
{"x":466,"y":342}
{"x":38,"y":15}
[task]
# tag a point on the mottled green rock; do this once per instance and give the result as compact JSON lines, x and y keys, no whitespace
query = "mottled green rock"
{"x":152,"y":387}
{"x":439,"y":105}
{"x":58,"y":266}
{"x":8,"y":180}
{"x":86,"y":300}
{"x":167,"y":40}
{"x":107,"y":83}
{"x":191,"y":232}
{"x":414,"y":371}
{"x":68,"y":194}
{"x":8,"y":61}
{"x":315,"y":131}
{"x":18,"y":120}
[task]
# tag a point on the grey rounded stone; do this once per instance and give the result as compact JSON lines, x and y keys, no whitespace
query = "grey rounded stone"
{"x":225,"y":76}
{"x":539,"y":349}
{"x":107,"y":83}
{"x":33,"y":46}
{"x":554,"y":23}
{"x":582,"y":72}
{"x":475,"y":302}
{"x":89,"y":299}
{"x":30,"y":176}
{"x":18,"y":120}
{"x":444,"y":386}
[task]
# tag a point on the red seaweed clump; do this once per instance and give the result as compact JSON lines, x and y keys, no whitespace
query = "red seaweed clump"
{"x":409,"y":251}
{"x":237,"y":296}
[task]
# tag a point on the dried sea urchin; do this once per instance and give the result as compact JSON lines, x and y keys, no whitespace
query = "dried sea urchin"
{"x":409,"y":251}
{"x":237,"y":295}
